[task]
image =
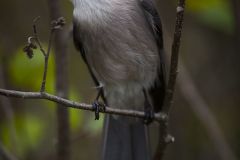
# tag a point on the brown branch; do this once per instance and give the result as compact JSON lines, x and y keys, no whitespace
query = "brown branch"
{"x":63,"y":146}
{"x":31,"y":45}
{"x":174,"y":57}
{"x":36,"y":37}
{"x":76,"y":105}
{"x":202,"y":111}
{"x":164,"y":137}
{"x":46,"y":57}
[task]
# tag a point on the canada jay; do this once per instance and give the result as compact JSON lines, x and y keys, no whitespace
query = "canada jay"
{"x":121,"y":43}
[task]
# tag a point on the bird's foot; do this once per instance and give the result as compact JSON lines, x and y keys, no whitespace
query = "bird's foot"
{"x":99,"y":87}
{"x":148,"y":109}
{"x":149,"y":116}
{"x":98,"y":107}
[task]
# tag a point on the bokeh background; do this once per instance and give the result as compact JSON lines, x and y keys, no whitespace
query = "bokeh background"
{"x":210,"y":56}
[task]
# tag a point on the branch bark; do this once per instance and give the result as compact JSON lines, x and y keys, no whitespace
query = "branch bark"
{"x":164,"y":137}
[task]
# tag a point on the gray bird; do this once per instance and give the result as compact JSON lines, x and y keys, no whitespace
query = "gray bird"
{"x":121,"y":43}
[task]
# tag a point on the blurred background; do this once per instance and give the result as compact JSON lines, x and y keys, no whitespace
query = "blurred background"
{"x":205,"y":114}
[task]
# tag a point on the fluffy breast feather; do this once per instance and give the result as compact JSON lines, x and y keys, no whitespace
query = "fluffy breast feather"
{"x":119,"y":46}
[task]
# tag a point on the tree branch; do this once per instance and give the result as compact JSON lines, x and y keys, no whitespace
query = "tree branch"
{"x":28,"y":49}
{"x":162,"y":118}
{"x":174,"y":58}
{"x":46,"y":57}
{"x":72,"y":104}
{"x":164,"y":137}
{"x":63,"y":143}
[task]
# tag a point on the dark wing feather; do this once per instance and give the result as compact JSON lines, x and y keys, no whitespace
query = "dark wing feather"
{"x":79,"y":45}
{"x":157,"y":91}
{"x":78,"y":42}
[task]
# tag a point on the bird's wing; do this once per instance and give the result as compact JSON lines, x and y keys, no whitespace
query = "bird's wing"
{"x":79,"y":45}
{"x":157,"y":91}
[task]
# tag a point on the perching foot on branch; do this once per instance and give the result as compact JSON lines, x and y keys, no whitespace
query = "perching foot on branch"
{"x":148,"y":110}
{"x":97,"y":107}
{"x":149,"y":114}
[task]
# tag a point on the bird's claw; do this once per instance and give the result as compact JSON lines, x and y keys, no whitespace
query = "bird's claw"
{"x":149,"y":116}
{"x":97,"y":107}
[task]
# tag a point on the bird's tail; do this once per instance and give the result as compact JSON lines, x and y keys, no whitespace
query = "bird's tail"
{"x":125,"y":139}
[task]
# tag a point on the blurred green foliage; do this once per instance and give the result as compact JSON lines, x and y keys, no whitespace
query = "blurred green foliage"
{"x":27,"y":73}
{"x":215,"y":13}
{"x":94,"y":126}
{"x":31,"y":126}
{"x":76,"y":116}
{"x":30,"y":131}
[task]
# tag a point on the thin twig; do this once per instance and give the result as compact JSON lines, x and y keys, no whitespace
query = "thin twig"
{"x":36,"y":37}
{"x":46,"y":57}
{"x":164,"y":137}
{"x":72,"y":104}
{"x":34,"y":42}
{"x":61,"y":89}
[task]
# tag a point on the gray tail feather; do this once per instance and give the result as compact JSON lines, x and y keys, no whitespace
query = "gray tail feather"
{"x":125,"y":140}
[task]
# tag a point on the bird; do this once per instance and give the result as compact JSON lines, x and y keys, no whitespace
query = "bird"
{"x":121,"y":42}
